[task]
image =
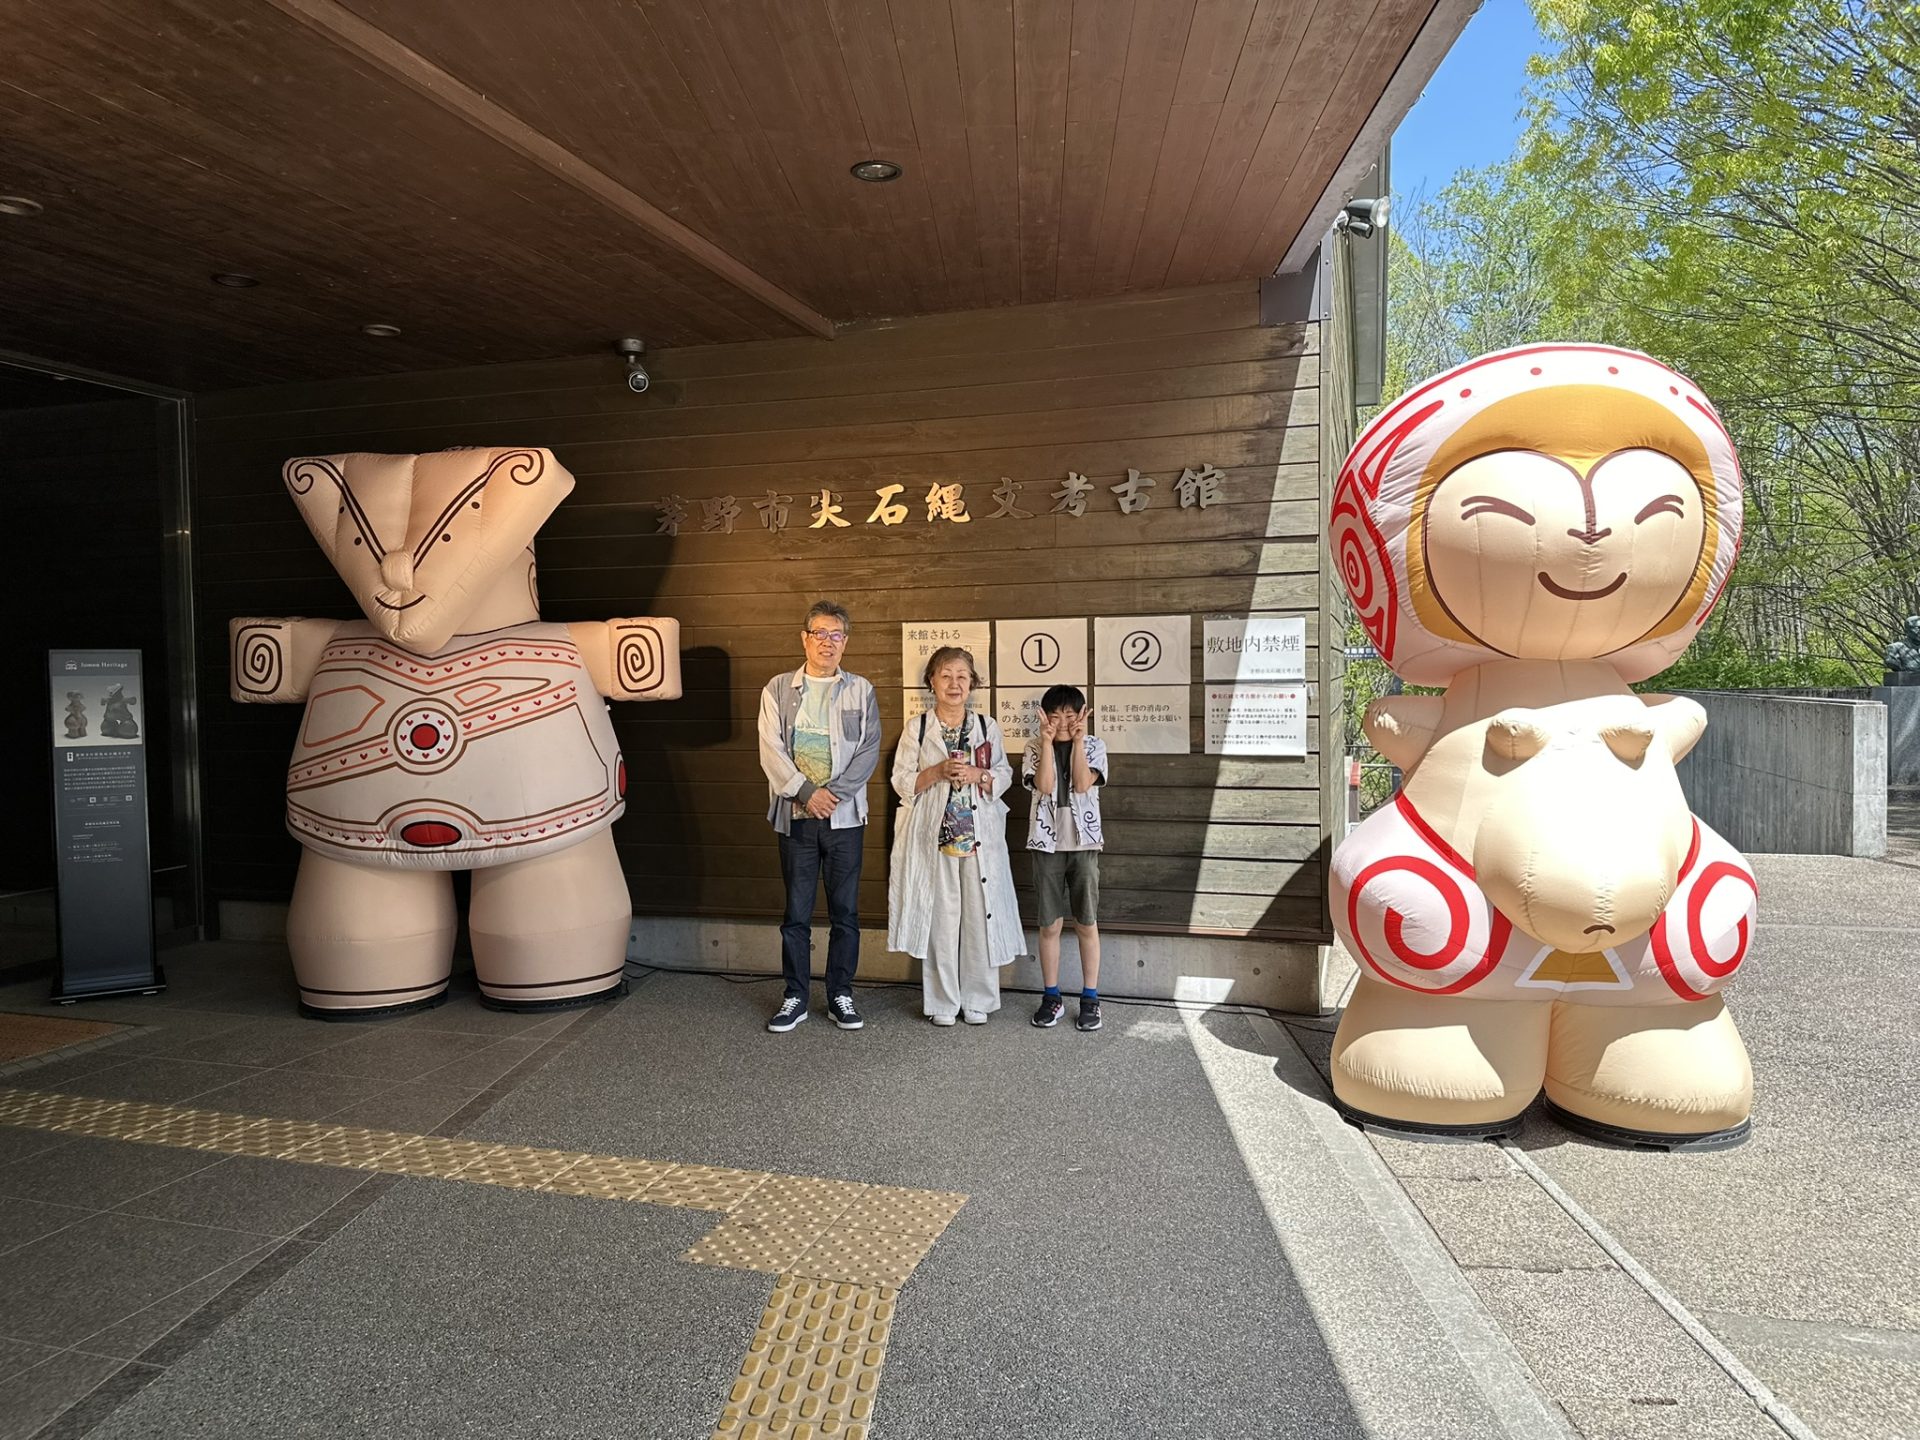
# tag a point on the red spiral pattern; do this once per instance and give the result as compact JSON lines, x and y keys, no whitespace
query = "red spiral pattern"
{"x":1365,"y":568}
{"x":1698,"y":955}
{"x":1459,"y":913}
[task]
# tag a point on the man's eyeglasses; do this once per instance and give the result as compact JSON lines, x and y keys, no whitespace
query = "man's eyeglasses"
{"x":827,"y":637}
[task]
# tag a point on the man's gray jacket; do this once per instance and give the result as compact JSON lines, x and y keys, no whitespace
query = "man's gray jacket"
{"x":855,"y":733}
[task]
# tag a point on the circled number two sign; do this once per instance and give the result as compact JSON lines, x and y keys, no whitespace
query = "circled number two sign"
{"x":1143,"y":650}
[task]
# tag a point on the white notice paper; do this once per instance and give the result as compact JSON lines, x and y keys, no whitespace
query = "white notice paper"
{"x":1144,"y":719}
{"x":1143,"y":650}
{"x":914,"y":701}
{"x":920,"y":638}
{"x":1256,"y":720}
{"x":1019,"y":715}
{"x":1041,"y":652}
{"x":1256,"y":649}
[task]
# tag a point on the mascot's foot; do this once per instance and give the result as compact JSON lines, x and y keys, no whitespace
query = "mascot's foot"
{"x":1438,"y":1065}
{"x":551,"y":932}
{"x":1665,"y":1076}
{"x":368,"y":943}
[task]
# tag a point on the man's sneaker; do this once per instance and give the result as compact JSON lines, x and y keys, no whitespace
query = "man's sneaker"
{"x":792,"y":1011}
{"x":840,"y":1010}
{"x":1089,"y":1016}
{"x":1048,"y":1015}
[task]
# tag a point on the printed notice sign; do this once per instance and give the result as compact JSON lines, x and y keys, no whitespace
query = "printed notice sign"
{"x":1256,"y":720}
{"x":1019,"y":715}
{"x":1256,"y":649}
{"x":1143,"y":650}
{"x":98,"y":722}
{"x":1144,"y":719}
{"x":914,"y":701}
{"x":1041,"y":652}
{"x":920,"y":638}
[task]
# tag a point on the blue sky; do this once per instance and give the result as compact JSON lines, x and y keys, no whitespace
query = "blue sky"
{"x":1469,"y":114}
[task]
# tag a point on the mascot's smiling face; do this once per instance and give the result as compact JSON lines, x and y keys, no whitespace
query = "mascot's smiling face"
{"x":1563,"y":524}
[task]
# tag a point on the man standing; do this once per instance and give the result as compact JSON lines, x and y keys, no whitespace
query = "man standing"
{"x":819,"y":742}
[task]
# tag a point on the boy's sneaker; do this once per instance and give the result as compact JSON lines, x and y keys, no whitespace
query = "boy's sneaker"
{"x":1089,"y":1016}
{"x":1050,"y":1011}
{"x":792,"y":1011}
{"x":840,"y":1010}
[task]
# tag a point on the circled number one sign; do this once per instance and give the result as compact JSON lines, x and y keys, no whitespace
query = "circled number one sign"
{"x":1140,"y":650}
{"x":1040,"y":653}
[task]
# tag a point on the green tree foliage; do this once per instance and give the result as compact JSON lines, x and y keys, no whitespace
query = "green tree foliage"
{"x":1728,"y":185}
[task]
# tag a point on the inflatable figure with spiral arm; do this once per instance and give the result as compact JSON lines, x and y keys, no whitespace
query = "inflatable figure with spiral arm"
{"x":451,"y":729}
{"x":1537,"y":908}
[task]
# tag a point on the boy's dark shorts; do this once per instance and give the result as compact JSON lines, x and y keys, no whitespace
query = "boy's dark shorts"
{"x":1067,"y":886}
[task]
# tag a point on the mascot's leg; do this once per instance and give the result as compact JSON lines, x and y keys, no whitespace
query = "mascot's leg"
{"x":552,"y":930}
{"x":1438,"y":1063}
{"x":367,"y":941}
{"x":1663,"y":1075}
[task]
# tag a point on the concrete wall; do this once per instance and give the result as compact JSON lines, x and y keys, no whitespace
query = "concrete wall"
{"x":1796,"y":775}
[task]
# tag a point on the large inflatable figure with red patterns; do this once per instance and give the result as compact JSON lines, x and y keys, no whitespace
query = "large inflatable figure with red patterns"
{"x":451,"y":729}
{"x":1535,"y":531}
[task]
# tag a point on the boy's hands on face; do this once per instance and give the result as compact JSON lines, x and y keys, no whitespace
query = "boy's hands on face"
{"x":1077,"y":725}
{"x":1050,"y":725}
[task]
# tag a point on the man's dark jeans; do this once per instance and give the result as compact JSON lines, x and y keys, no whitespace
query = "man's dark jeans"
{"x":816,"y":851}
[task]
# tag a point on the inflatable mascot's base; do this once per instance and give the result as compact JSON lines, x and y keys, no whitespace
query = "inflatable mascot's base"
{"x":450,"y":730}
{"x":1537,"y":908}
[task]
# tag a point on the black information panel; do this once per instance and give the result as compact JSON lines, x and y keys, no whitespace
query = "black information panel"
{"x":98,"y":731}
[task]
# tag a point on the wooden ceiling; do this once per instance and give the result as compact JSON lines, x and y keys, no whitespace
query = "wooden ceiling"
{"x":518,"y":179}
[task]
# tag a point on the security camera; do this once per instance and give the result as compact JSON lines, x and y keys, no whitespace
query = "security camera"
{"x":637,"y":378}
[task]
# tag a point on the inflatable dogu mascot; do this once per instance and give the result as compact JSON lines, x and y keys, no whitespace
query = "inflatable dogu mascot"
{"x":451,"y":730}
{"x":1534,"y":531}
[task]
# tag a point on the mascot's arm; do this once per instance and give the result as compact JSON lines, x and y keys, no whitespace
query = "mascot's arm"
{"x":1679,"y":721}
{"x":1401,"y":726}
{"x":637,"y":658}
{"x":272,"y":659}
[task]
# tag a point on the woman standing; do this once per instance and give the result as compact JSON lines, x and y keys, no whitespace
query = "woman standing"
{"x":950,"y":901}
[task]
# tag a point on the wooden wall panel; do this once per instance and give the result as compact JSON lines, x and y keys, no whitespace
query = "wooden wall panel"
{"x":1198,"y":843}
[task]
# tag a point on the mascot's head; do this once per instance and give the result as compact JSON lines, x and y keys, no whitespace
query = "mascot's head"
{"x":420,"y":539}
{"x":1551,"y":502}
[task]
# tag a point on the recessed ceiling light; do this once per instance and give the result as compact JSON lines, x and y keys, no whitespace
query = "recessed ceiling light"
{"x":234,"y":280}
{"x":380,"y":332}
{"x":19,"y":205}
{"x":876,"y":171}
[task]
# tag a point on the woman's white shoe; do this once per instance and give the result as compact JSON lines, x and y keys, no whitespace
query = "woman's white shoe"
{"x":941,"y":1019}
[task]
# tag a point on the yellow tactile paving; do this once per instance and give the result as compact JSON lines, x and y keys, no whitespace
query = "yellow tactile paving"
{"x":899,"y":1211}
{"x":608,"y":1177}
{"x":704,"y":1187}
{"x":813,"y":1367}
{"x":864,"y":1257}
{"x":519,"y":1167}
{"x":841,"y":1249}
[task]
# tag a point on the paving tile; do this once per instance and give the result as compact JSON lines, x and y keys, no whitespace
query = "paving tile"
{"x":155,"y":1080}
{"x":139,"y":1332}
{"x":291,"y":1095}
{"x":18,"y":1355}
{"x":266,"y":1043}
{"x":1510,"y":1222}
{"x":100,"y":1271}
{"x":58,"y":1074}
{"x":394,"y":1055}
{"x":35,"y":1397}
{"x":609,"y":1177}
{"x":348,"y":1146}
{"x":518,"y":1167}
{"x":897,"y":1210}
{"x":99,"y":1174}
{"x":259,"y":1275}
{"x":24,"y":1221}
{"x":704,"y":1187}
{"x":18,"y":1143}
{"x":126,"y":1382}
{"x":863,"y":1258}
{"x":416,"y":1105}
{"x":242,"y":1192}
{"x":482,"y":1068}
{"x":371,"y":1188}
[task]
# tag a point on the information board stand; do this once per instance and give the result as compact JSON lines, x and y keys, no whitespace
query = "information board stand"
{"x":104,"y":872}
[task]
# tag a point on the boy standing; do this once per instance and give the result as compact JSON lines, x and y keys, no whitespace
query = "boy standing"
{"x":1064,"y":767}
